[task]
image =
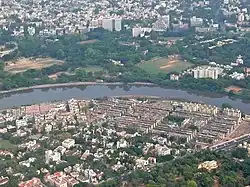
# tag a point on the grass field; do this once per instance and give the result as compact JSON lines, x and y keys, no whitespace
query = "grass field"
{"x":5,"y":144}
{"x":93,"y":69}
{"x":24,"y":64}
{"x":167,"y":65}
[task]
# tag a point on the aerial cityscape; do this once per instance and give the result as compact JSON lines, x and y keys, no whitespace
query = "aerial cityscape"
{"x":124,"y":93}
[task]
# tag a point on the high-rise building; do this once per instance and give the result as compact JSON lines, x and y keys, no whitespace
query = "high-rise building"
{"x":118,"y":25}
{"x":108,"y":24}
{"x":207,"y":72}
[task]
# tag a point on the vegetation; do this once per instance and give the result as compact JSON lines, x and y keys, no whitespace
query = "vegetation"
{"x":80,"y":59}
{"x":166,"y":65}
{"x":6,"y":144}
{"x":184,"y":172}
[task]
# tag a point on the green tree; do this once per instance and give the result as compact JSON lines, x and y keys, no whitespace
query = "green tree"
{"x":240,"y":153}
{"x":191,"y":183}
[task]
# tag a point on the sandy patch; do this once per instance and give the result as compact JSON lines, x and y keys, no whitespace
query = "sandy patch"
{"x":234,"y":89}
{"x":24,"y":64}
{"x":87,"y":41}
{"x":170,"y":64}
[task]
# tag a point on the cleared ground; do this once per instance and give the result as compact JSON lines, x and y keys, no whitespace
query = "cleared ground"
{"x":24,"y":64}
{"x":234,"y":89}
{"x":5,"y":144}
{"x":87,"y":42}
{"x":171,"y":38}
{"x":243,"y":128}
{"x":167,"y":65}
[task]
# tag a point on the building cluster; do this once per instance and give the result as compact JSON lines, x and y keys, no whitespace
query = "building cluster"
{"x":92,"y":140}
{"x":239,"y":10}
{"x":64,"y":17}
{"x":208,"y":165}
{"x":207,"y":72}
{"x":215,"y":71}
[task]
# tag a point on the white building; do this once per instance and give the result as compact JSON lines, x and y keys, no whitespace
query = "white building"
{"x":31,"y":30}
{"x":162,"y":24}
{"x":241,"y":17}
{"x":48,"y":128}
{"x":140,"y":31}
{"x":174,"y":77}
{"x":107,"y":24}
{"x":207,"y":72}
{"x":121,"y":144}
{"x":52,"y":156}
{"x":110,"y":24}
{"x":68,"y":143}
{"x":118,"y":25}
{"x":91,"y":175}
{"x":162,"y":150}
{"x":21,"y":123}
{"x":194,"y":21}
{"x":141,"y":163}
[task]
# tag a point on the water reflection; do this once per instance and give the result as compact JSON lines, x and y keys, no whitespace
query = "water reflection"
{"x":97,"y":91}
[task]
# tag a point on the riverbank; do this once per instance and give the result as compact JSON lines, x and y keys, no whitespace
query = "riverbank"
{"x":60,"y":85}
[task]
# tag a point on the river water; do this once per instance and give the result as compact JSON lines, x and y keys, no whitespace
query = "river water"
{"x":97,"y":91}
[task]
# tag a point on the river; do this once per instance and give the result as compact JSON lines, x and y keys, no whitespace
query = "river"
{"x":96,"y":91}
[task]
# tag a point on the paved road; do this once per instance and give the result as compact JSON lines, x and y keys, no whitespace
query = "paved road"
{"x":231,"y":143}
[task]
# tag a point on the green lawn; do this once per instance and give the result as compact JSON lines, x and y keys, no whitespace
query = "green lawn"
{"x":166,"y":65}
{"x":93,"y":68}
{"x":5,"y":144}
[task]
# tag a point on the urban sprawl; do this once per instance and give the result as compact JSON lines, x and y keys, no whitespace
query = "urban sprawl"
{"x":74,"y":142}
{"x":91,"y":139}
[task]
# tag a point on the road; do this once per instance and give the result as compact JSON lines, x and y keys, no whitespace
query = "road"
{"x":231,"y":143}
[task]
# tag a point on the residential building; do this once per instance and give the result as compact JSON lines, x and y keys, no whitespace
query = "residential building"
{"x":110,"y":24}
{"x":21,"y":123}
{"x":194,"y":21}
{"x":162,"y":24}
{"x":34,"y":182}
{"x":241,"y":17}
{"x":208,"y":165}
{"x":3,"y":180}
{"x":68,"y":143}
{"x":174,"y":77}
{"x":207,"y":72}
{"x":52,"y":156}
{"x":247,"y":72}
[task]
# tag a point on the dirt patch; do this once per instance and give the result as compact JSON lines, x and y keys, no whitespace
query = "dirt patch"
{"x":170,"y":64}
{"x":243,"y":128}
{"x":55,"y":75}
{"x":234,"y":89}
{"x":87,"y":42}
{"x":24,"y":64}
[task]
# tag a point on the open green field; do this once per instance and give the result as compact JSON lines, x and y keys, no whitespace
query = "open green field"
{"x":93,"y":69}
{"x":5,"y":144}
{"x":166,"y":65}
